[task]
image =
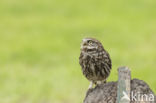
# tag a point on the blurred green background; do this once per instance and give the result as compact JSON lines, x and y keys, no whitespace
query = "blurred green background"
{"x":40,"y":45}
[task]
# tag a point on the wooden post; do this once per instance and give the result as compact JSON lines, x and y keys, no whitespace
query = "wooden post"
{"x":123,"y":87}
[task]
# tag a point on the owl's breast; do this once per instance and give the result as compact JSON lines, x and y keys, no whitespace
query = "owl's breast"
{"x":88,"y":67}
{"x":94,"y":67}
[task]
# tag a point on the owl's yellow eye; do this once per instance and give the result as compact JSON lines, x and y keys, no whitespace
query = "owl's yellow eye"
{"x":90,"y":42}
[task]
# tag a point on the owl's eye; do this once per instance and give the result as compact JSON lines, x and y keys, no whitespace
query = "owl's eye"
{"x":90,"y":42}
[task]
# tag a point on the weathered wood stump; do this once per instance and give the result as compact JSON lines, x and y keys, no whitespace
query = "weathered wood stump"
{"x":123,"y":91}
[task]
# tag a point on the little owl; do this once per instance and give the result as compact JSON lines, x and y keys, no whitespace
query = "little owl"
{"x":95,"y":61}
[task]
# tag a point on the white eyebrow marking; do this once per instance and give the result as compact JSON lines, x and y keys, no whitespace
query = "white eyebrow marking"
{"x":84,"y":40}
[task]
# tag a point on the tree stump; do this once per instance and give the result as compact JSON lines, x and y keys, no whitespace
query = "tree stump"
{"x":136,"y":90}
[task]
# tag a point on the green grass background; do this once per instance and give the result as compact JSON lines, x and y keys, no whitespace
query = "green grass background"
{"x":40,"y":45}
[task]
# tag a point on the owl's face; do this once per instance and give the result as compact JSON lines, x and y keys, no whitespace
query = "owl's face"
{"x":90,"y":45}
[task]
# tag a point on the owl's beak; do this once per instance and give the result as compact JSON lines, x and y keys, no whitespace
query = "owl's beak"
{"x":83,"y":44}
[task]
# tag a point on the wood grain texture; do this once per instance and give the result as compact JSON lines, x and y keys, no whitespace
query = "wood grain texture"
{"x":124,"y":78}
{"x":111,"y":92}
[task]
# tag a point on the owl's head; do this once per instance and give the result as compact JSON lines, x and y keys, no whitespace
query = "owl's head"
{"x":90,"y":45}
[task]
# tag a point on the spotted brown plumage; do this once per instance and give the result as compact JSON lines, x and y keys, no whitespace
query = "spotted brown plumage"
{"x":95,"y":61}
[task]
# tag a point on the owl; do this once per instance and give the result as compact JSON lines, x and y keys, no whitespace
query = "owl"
{"x":95,"y":61}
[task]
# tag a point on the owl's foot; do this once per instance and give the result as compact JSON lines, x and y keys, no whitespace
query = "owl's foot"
{"x":91,"y":85}
{"x":100,"y":82}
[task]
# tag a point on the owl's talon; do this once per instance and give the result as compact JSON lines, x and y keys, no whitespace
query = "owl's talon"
{"x":98,"y":82}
